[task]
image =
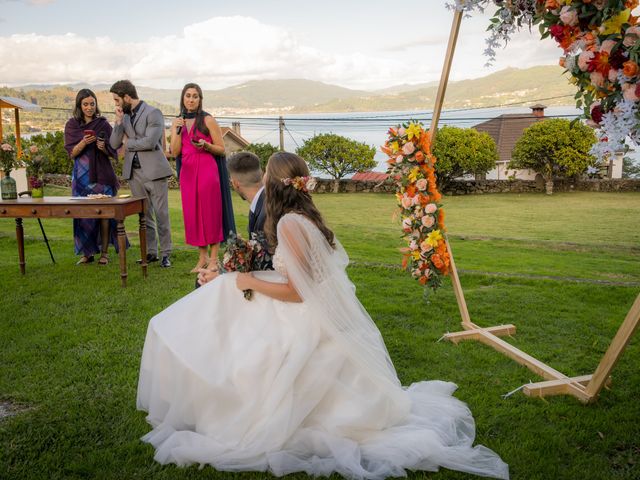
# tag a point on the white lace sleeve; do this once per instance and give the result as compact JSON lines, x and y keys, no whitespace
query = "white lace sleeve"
{"x":317,"y":271}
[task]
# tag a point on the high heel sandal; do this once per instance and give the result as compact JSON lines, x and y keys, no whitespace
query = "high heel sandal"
{"x":200,"y":266}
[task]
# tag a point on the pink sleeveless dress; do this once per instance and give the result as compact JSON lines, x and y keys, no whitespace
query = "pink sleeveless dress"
{"x":200,"y":190}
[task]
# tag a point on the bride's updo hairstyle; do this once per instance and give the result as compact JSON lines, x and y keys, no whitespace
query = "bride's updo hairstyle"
{"x":282,"y":198}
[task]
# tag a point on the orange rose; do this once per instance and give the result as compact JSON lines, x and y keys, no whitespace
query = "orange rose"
{"x":631,"y":4}
{"x":423,"y":280}
{"x":419,"y":156}
{"x":441,"y":217}
{"x":551,"y":4}
{"x":630,"y":68}
{"x":437,"y":261}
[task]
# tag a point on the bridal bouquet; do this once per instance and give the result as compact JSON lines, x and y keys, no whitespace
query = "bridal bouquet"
{"x":243,"y":255}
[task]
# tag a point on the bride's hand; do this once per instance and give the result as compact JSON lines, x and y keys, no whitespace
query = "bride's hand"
{"x":244,"y":280}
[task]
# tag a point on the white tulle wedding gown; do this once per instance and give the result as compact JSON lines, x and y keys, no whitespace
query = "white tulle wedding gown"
{"x":289,"y":387}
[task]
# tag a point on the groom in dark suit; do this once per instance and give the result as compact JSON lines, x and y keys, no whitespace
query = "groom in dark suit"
{"x":246,"y":180}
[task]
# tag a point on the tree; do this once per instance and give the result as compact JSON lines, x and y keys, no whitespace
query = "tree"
{"x":263,"y":151}
{"x":630,"y":168}
{"x":337,"y":155}
{"x":462,"y":151}
{"x":554,"y":148}
{"x":51,"y":147}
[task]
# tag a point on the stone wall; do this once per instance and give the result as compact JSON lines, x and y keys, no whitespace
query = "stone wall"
{"x":456,"y":188}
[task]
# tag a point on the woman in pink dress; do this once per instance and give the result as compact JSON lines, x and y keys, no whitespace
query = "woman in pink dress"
{"x":197,"y":137}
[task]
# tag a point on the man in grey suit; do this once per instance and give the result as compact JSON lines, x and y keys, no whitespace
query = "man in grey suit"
{"x":145,"y":165}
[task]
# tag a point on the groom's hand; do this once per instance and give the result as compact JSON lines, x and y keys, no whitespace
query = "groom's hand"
{"x":205,"y":276}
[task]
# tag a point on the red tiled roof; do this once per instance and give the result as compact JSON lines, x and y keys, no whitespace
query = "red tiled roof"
{"x":370,"y":176}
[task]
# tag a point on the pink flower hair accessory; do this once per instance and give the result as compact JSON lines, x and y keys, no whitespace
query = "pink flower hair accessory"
{"x":304,"y":184}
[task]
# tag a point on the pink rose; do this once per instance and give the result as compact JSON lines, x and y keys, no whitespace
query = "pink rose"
{"x":416,"y":200}
{"x":6,"y":147}
{"x":406,"y":202}
{"x":33,"y":149}
{"x":629,"y":92}
{"x":607,"y":46}
{"x":583,"y":60}
{"x":413,"y":245}
{"x":422,"y":184}
{"x":428,"y":221}
{"x":613,"y":75}
{"x":399,"y":158}
{"x":426,"y":246}
{"x":408,"y":148}
{"x":597,"y":79}
{"x":569,"y":16}
{"x":431,"y":208}
{"x":406,"y":224}
{"x":401,"y":131}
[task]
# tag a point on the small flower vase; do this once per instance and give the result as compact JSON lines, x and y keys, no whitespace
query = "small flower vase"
{"x":8,"y":187}
{"x":36,"y":184}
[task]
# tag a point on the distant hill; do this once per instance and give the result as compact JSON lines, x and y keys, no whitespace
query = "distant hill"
{"x":300,"y":96}
{"x":506,"y":86}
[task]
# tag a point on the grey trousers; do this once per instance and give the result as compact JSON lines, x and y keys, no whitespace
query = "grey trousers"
{"x":157,"y":216}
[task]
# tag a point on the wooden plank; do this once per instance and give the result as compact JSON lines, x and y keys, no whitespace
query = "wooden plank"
{"x":457,"y":288}
{"x":18,"y":139}
{"x":618,"y":344}
{"x":519,"y":356}
{"x":446,"y":69}
{"x":472,"y":334}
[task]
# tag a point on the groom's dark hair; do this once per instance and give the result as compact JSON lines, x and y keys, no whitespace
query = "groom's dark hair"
{"x":124,"y":87}
{"x":245,"y":167}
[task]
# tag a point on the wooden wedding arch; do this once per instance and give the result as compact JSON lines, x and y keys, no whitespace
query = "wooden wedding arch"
{"x":585,"y":388}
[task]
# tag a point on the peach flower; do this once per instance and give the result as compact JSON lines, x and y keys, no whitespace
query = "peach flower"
{"x":597,"y":79}
{"x":428,"y":221}
{"x":629,"y":92}
{"x":408,"y":148}
{"x":406,"y":202}
{"x":431,"y":208}
{"x":607,"y":46}
{"x":569,"y":16}
{"x":426,"y":246}
{"x":422,"y":184}
{"x":613,"y":75}
{"x":583,"y":60}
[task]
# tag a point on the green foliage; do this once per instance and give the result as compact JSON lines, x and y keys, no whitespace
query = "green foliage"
{"x":554,"y":148}
{"x":463,"y":151}
{"x":630,"y":168}
{"x":51,"y":147}
{"x":263,"y":151}
{"x":337,"y":155}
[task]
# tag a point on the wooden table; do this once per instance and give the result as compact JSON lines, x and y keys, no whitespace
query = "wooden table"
{"x":82,"y":207}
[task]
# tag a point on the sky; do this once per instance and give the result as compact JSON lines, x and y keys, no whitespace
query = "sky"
{"x":359,"y":44}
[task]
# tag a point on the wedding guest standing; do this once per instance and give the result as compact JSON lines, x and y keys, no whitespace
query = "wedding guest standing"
{"x":85,"y":137}
{"x":145,"y":164}
{"x":196,"y":136}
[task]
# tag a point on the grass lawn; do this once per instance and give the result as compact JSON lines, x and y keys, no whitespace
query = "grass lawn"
{"x":563,"y":269}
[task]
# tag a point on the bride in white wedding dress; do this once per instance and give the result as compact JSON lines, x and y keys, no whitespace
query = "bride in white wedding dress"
{"x":297,"y":379}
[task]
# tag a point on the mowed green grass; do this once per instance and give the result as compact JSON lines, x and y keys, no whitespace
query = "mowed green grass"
{"x":565,"y":270}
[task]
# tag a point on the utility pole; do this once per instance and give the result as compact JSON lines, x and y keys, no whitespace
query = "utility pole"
{"x":281,"y":126}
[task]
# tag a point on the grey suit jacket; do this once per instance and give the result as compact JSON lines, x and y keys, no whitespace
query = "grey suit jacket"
{"x":145,"y":138}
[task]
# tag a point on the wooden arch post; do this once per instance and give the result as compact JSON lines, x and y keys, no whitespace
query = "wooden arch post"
{"x":585,"y":388}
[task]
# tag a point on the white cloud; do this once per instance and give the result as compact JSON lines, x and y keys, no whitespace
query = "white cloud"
{"x":223,"y":51}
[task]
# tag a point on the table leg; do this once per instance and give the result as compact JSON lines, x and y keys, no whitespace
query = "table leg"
{"x":122,"y":247}
{"x":143,"y":243}
{"x":20,"y":238}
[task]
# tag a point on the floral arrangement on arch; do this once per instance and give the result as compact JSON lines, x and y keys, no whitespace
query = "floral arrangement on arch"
{"x":600,"y":40}
{"x":411,"y":166}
